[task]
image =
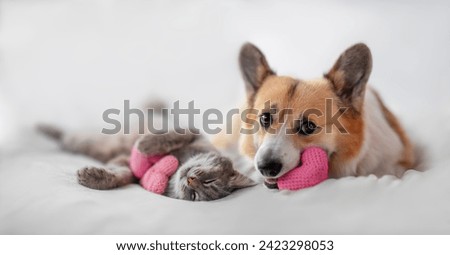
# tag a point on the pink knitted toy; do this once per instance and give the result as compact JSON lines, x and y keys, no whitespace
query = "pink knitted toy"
{"x":153,"y":171}
{"x":312,"y":171}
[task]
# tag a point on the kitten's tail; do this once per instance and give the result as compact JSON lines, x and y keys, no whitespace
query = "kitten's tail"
{"x":51,"y":131}
{"x":57,"y":134}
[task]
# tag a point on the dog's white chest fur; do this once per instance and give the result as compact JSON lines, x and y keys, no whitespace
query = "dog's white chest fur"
{"x":382,"y":147}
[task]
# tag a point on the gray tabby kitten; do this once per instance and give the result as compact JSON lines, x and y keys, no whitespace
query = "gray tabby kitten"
{"x":203,"y":173}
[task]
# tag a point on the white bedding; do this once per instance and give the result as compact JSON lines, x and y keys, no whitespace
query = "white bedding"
{"x":66,"y":62}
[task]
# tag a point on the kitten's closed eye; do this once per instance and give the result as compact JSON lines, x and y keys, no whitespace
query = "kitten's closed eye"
{"x":209,"y":181}
{"x":194,"y":196}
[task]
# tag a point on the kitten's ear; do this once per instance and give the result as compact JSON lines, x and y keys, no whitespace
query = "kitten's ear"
{"x":239,"y":181}
{"x":254,"y":67}
{"x":349,"y":75}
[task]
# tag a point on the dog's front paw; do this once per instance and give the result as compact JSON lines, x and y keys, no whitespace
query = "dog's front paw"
{"x":97,"y":178}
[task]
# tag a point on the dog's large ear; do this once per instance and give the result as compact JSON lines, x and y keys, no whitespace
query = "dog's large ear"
{"x":254,"y":67}
{"x":350,"y":74}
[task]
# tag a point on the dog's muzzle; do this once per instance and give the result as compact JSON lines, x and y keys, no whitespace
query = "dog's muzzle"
{"x":271,"y":168}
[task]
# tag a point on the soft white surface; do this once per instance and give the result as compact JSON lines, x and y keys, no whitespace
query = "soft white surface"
{"x":65,"y":62}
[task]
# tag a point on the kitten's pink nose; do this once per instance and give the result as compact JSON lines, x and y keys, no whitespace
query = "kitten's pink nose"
{"x":191,"y":181}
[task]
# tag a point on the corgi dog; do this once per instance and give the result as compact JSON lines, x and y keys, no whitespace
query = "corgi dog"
{"x":338,"y":112}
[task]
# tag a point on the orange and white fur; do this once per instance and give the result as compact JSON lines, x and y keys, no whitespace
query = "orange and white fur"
{"x":367,"y":139}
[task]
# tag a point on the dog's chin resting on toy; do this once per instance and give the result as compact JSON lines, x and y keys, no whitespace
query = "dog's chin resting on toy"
{"x":313,"y":169}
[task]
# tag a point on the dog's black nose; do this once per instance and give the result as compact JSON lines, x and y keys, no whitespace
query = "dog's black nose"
{"x":270,"y":168}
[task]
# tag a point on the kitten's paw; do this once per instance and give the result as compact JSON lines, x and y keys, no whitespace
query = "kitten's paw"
{"x":97,"y":178}
{"x":158,"y":144}
{"x":154,"y":145}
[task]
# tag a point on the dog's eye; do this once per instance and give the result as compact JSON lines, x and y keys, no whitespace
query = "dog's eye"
{"x":307,"y":127}
{"x":266,"y":119}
